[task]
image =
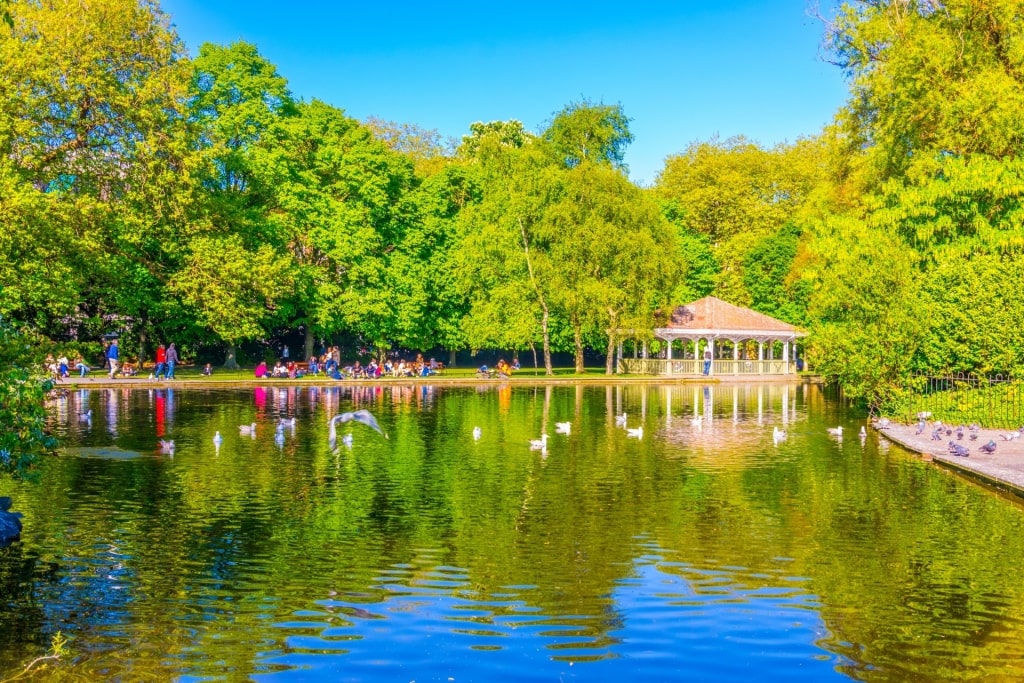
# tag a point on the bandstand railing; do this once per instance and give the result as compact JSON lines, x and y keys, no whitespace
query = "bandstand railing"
{"x":662,"y":366}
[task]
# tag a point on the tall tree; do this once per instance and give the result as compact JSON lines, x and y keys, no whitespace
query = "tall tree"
{"x":239,"y":104}
{"x":90,"y":139}
{"x":585,"y":131}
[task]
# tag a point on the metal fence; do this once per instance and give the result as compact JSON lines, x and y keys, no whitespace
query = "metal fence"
{"x":962,"y":398}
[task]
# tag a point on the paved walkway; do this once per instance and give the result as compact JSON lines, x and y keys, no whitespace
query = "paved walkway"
{"x":1004,"y":468}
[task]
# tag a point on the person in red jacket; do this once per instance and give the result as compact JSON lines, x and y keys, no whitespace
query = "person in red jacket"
{"x":161,"y":362}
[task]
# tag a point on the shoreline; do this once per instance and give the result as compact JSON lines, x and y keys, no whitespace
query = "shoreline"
{"x":1002,"y":470}
{"x":191,"y":382}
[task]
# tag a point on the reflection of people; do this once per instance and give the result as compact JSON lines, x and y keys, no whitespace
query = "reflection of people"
{"x":707,"y":362}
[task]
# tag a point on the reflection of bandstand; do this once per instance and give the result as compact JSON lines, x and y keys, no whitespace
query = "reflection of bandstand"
{"x":718,"y":324}
{"x":753,"y":402}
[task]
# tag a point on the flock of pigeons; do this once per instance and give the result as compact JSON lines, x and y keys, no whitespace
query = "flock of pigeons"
{"x":955,"y":434}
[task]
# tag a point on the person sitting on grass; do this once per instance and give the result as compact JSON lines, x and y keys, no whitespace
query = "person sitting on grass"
{"x":261,"y":369}
{"x":207,"y":370}
{"x":280,"y":370}
{"x":504,"y":369}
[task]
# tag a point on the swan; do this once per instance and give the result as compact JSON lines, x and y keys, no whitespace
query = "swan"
{"x":247,"y":429}
{"x":778,"y":434}
{"x":563,"y":427}
{"x":836,"y":431}
{"x":638,"y":432}
{"x":167,"y":447}
{"x":539,"y":444}
{"x":477,"y":433}
{"x":87,"y":415}
{"x":620,"y":420}
{"x":697,"y":421}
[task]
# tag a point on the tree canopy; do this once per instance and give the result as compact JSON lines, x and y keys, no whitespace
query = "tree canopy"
{"x":159,"y":195}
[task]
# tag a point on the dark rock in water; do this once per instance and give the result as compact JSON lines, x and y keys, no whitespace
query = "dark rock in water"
{"x":10,"y":523}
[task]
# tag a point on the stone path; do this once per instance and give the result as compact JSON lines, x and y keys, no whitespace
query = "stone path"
{"x":1004,"y":468}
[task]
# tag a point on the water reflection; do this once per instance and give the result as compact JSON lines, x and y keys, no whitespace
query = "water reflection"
{"x":706,"y":548}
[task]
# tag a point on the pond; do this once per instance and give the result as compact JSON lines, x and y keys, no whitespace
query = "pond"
{"x":702,"y":549}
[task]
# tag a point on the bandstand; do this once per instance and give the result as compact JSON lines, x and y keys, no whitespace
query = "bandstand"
{"x":741,"y":341}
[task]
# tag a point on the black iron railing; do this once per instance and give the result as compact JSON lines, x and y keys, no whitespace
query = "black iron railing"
{"x":996,"y":401}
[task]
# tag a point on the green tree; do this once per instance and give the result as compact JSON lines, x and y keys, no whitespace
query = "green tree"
{"x":92,"y":161}
{"x":23,"y":434}
{"x":737,"y":194}
{"x":931,"y":78}
{"x":239,"y":105}
{"x":585,"y":131}
{"x":611,"y":251}
{"x":868,"y":309}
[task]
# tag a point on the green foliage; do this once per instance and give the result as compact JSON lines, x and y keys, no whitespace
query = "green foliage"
{"x":868,"y":313}
{"x":766,"y":275}
{"x":23,"y":435}
{"x":584,"y":131}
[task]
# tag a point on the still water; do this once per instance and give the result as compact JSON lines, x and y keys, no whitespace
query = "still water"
{"x":699,"y":550}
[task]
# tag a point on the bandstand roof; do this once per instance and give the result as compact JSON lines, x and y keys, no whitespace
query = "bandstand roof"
{"x":712,"y":317}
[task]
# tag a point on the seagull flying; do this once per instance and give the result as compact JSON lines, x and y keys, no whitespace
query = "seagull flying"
{"x":364,"y":416}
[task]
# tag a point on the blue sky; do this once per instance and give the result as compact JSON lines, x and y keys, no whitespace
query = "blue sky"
{"x":684,"y":71}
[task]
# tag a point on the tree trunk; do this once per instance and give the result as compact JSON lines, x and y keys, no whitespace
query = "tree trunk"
{"x":142,"y":349}
{"x":609,"y":360}
{"x":548,"y":370}
{"x":230,"y":363}
{"x":309,"y":343}
{"x":451,"y":358}
{"x":577,"y":336}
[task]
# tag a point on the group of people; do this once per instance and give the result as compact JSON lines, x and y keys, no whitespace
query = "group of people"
{"x":166,"y":359}
{"x":502,"y":369}
{"x":280,"y":369}
{"x":329,"y":364}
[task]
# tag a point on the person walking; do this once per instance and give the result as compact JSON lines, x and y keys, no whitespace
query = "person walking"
{"x":172,"y":360}
{"x":113,"y":357}
{"x":161,"y":362}
{"x":707,"y":362}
